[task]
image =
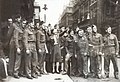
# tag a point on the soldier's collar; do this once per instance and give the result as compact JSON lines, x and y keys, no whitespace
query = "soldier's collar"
{"x":80,"y":36}
{"x":94,"y":33}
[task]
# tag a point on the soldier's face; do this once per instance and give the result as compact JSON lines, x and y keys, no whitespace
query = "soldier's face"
{"x":32,"y":25}
{"x":77,"y":29}
{"x":10,"y":22}
{"x":109,"y":30}
{"x":55,"y":31}
{"x":23,"y":24}
{"x":37,"y":25}
{"x":80,"y":33}
{"x":94,"y":29}
{"x":63,"y":29}
{"x":72,"y":33}
{"x":19,"y":19}
{"x":89,"y":29}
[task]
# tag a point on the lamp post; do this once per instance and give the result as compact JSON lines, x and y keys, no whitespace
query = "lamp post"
{"x":45,"y":8}
{"x":36,"y":12}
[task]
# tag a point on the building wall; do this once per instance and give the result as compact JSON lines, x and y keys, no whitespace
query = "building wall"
{"x":0,"y":10}
{"x":66,"y":17}
{"x":89,"y":12}
{"x":12,"y":7}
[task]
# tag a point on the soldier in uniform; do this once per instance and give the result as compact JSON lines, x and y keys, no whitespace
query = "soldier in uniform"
{"x":18,"y":40}
{"x":41,"y":47}
{"x":111,"y":50}
{"x":89,"y":37}
{"x":62,"y":46}
{"x":82,"y":52}
{"x":10,"y":42}
{"x":69,"y":47}
{"x":31,"y":52}
{"x":97,"y":43}
{"x":74,"y":70}
{"x":49,"y":46}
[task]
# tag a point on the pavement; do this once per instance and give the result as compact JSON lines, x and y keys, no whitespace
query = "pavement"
{"x":43,"y":78}
{"x":110,"y":79}
{"x":66,"y":78}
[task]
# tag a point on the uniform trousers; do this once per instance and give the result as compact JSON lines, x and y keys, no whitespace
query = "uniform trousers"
{"x":82,"y":63}
{"x":41,"y":58}
{"x":31,"y":60}
{"x":107,"y":59}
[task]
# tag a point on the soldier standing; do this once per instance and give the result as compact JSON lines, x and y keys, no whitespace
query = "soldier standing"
{"x":49,"y":46}
{"x":31,"y":52}
{"x":69,"y":47}
{"x":18,"y":40}
{"x":41,"y":47}
{"x":97,"y":43}
{"x":62,"y":47}
{"x":111,"y":50}
{"x":10,"y":42}
{"x":89,"y":37}
{"x":82,"y":52}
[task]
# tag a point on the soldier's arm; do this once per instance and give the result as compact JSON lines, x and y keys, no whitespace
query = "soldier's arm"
{"x":66,"y":46}
{"x":16,"y":35}
{"x":87,"y":45}
{"x":38,"y":39}
{"x":25,"y":39}
{"x":10,"y":34}
{"x":116,"y":44}
{"x":101,"y":43}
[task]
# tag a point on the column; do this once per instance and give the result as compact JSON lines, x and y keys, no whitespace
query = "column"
{"x":99,"y":14}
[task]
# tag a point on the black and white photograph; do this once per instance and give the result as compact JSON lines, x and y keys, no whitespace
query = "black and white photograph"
{"x":59,"y":40}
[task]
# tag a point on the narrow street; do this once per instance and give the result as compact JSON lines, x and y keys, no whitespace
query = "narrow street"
{"x":38,"y":36}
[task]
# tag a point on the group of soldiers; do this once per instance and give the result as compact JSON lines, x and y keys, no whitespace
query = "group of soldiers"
{"x":35,"y":49}
{"x":89,"y":44}
{"x":27,"y":48}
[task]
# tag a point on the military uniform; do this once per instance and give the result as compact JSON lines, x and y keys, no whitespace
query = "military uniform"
{"x":31,"y":59}
{"x":89,"y":37}
{"x":63,"y":50}
{"x":82,"y":58}
{"x":97,"y":43}
{"x":69,"y":47}
{"x":111,"y":47}
{"x":48,"y":55}
{"x":41,"y":42}
{"x":18,"y":40}
{"x":74,"y":58}
{"x":10,"y":42}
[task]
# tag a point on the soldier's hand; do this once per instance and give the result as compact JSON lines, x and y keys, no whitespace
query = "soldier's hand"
{"x":116,"y":54}
{"x":75,"y":56}
{"x":47,"y":51}
{"x":40,"y":50}
{"x":85,"y":54}
{"x":18,"y":50}
{"x":90,"y":45}
{"x":100,"y":53}
{"x":28,"y":51}
{"x":61,"y":47}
